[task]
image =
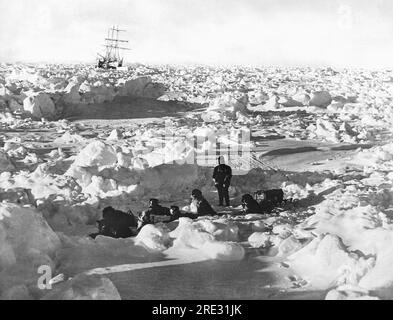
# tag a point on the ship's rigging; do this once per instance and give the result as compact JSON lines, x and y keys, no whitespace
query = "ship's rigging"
{"x":112,"y":58}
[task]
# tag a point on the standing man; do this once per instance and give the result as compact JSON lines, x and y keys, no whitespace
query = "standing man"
{"x":222,"y":180}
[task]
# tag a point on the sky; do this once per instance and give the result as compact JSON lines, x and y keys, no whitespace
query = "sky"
{"x":341,"y":33}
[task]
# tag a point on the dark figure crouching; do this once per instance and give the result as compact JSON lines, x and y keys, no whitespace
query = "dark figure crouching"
{"x":116,"y":224}
{"x":175,"y":213}
{"x":152,"y":214}
{"x":270,"y":199}
{"x":156,"y":209}
{"x":250,"y":205}
{"x":203,"y":206}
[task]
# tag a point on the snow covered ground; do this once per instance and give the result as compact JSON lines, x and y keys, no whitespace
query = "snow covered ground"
{"x":75,"y":140}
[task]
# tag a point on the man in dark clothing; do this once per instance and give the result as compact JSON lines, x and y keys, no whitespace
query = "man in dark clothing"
{"x":222,"y":176}
{"x":203,"y":206}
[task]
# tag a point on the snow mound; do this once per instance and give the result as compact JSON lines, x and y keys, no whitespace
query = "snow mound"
{"x":328,"y":130}
{"x":325,"y":262}
{"x":5,"y":163}
{"x":154,"y":237}
{"x":256,"y":98}
{"x":225,"y":251}
{"x":320,"y":99}
{"x":96,"y":154}
{"x":18,"y":292}
{"x":212,"y":116}
{"x":26,"y":243}
{"x":41,"y":183}
{"x":204,"y":132}
{"x":71,"y":93}
{"x":226,"y":105}
{"x":302,"y":98}
{"x":38,"y":237}
{"x":349,"y":292}
{"x":289,"y":102}
{"x":154,"y":90}
{"x":190,"y":235}
{"x":271,"y":104}
{"x":288,"y":246}
{"x":214,"y":238}
{"x":222,"y":230}
{"x":283,"y":230}
{"x":380,"y":275}
{"x":84,"y":255}
{"x":40,"y":105}
{"x":115,"y":135}
{"x":69,"y":138}
{"x":259,"y":240}
{"x":174,"y":151}
{"x":84,"y":287}
{"x":96,"y":94}
{"x":258,"y":226}
{"x":134,"y":87}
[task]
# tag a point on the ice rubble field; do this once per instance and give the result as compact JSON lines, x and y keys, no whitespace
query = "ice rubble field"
{"x":55,"y":179}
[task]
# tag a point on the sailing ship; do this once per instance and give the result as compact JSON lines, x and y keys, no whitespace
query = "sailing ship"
{"x":112,"y":58}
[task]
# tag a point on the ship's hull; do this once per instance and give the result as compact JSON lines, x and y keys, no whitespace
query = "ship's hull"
{"x":105,"y":64}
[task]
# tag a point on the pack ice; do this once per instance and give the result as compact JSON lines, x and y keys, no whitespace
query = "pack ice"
{"x":57,"y":175}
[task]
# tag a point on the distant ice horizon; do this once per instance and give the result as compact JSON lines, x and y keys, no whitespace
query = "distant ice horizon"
{"x":284,"y":33}
{"x":196,"y":64}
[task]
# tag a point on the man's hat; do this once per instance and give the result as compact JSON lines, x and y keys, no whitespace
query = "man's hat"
{"x":221,"y":159}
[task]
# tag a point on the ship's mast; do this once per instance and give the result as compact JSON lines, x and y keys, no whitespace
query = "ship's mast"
{"x":112,"y":44}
